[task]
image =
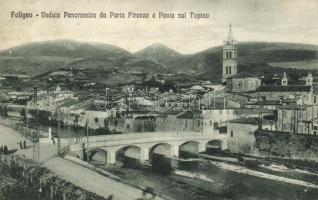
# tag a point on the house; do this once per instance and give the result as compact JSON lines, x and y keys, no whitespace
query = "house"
{"x":132,"y":121}
{"x":187,"y":121}
{"x":298,"y":119}
{"x":243,"y":82}
{"x":215,"y":121}
{"x":240,"y":133}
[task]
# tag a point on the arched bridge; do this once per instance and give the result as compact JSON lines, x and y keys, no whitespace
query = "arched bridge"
{"x":142,"y":145}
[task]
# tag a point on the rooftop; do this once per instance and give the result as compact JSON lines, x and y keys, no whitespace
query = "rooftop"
{"x":281,"y":88}
{"x":190,"y":115}
{"x":243,"y":75}
{"x":252,"y":111}
{"x":249,"y":120}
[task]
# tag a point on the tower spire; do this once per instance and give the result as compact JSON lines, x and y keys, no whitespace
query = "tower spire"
{"x":230,"y":35}
{"x":230,"y":62}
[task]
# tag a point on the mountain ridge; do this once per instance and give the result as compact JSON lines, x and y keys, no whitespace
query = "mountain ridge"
{"x":40,"y":57}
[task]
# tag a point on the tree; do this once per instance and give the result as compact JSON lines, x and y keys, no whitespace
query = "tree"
{"x":4,"y":99}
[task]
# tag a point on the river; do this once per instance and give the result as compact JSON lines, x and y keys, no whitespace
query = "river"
{"x":201,"y":180}
{"x":198,"y":180}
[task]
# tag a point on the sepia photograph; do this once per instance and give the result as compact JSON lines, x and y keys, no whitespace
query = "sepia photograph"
{"x":158,"y":100}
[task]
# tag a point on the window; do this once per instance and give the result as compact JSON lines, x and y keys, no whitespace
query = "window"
{"x":210,"y":122}
{"x":128,"y":126}
{"x":227,"y":70}
{"x":230,"y":70}
{"x":231,"y":133}
{"x":285,"y":114}
{"x":216,"y":125}
{"x":239,"y":85}
{"x":230,"y":54}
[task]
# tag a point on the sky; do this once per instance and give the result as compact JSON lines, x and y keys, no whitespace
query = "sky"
{"x":252,"y":20}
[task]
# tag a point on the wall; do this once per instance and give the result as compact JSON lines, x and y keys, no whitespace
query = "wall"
{"x":294,"y":146}
{"x":240,"y":137}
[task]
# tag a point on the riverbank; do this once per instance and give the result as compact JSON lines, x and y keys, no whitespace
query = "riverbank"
{"x":23,"y":179}
{"x":71,"y":172}
{"x":243,"y":170}
{"x":205,"y":181}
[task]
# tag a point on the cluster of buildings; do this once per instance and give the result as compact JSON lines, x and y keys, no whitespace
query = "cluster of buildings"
{"x":238,"y":107}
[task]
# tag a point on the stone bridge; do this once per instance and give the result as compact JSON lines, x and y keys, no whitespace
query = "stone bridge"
{"x":142,"y":145}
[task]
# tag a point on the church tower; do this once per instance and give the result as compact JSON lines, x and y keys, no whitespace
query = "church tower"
{"x":229,"y":56}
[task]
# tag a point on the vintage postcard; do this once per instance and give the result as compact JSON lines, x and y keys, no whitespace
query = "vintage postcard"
{"x":158,"y":99}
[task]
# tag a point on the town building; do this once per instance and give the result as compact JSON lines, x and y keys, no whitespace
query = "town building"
{"x":298,"y":119}
{"x":132,"y":121}
{"x":243,"y":82}
{"x":240,"y":133}
{"x":187,"y":121}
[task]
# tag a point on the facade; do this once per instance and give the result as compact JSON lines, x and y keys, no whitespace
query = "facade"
{"x":240,"y":134}
{"x":243,"y":82}
{"x":298,"y":119}
{"x":129,"y":122}
{"x":188,"y":121}
{"x":214,"y":120}
{"x":230,"y":62}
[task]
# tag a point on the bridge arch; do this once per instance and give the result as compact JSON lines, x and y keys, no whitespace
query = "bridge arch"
{"x":97,"y":156}
{"x":215,"y":145}
{"x":190,"y":146}
{"x":161,"y":148}
{"x":131,"y":151}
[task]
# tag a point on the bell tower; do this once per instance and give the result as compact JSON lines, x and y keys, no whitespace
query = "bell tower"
{"x":229,"y":56}
{"x":284,"y":80}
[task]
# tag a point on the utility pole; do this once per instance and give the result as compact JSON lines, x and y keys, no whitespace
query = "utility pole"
{"x":282,"y":120}
{"x":106,"y":110}
{"x":87,"y":121}
{"x":36,"y":140}
{"x":59,"y":119}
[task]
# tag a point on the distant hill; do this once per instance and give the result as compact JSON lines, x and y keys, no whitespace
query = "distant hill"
{"x":40,"y":57}
{"x":160,"y":54}
{"x":254,"y":57}
{"x":208,"y":63}
{"x":67,"y":48}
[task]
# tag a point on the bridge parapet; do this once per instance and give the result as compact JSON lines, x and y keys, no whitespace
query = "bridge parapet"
{"x":143,"y":138}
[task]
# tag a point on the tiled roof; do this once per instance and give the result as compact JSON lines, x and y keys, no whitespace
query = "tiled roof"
{"x":190,"y":115}
{"x":243,"y":75}
{"x":281,"y":88}
{"x":249,"y":120}
{"x":171,"y":112}
{"x":252,"y":111}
